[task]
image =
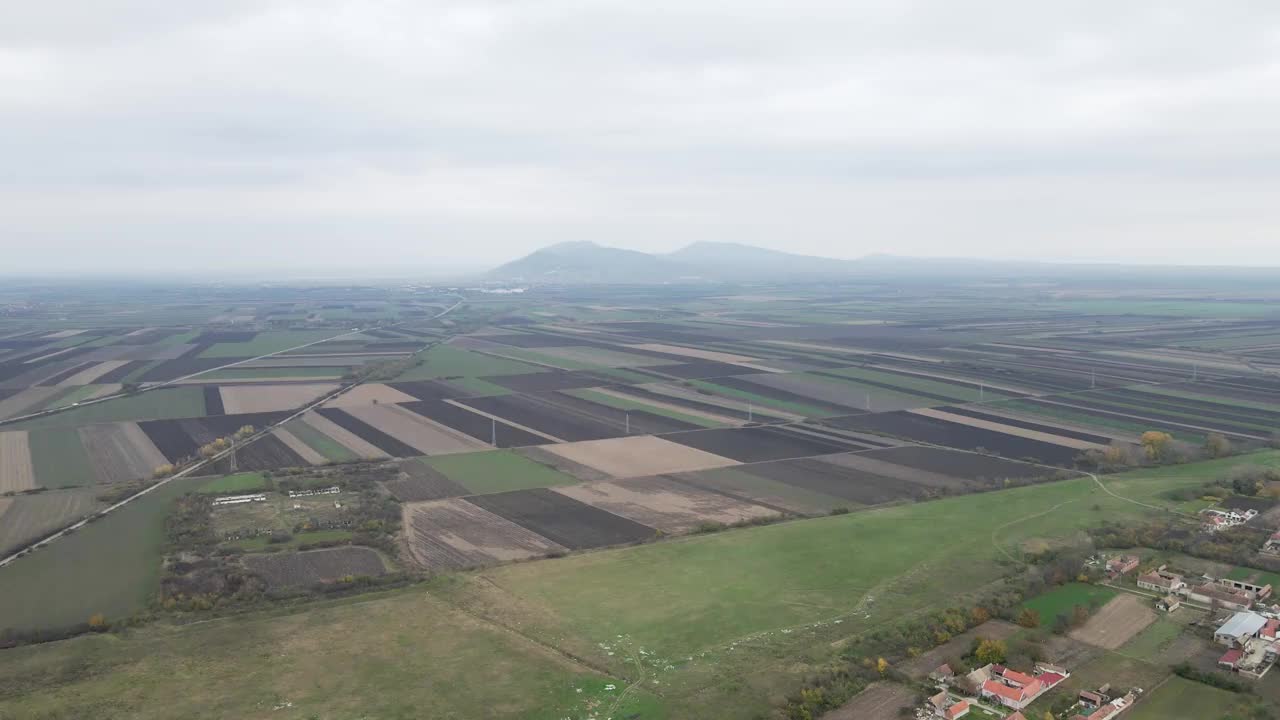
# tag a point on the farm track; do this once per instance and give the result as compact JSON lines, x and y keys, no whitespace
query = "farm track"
{"x":203,"y":463}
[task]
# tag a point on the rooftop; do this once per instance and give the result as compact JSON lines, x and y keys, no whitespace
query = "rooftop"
{"x":1242,"y":623}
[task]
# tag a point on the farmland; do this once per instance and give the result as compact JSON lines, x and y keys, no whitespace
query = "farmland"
{"x":736,"y":486}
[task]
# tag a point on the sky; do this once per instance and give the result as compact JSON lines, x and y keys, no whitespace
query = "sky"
{"x":227,"y":136}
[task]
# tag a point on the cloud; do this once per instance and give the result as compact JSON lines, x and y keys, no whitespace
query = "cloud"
{"x":478,"y":131}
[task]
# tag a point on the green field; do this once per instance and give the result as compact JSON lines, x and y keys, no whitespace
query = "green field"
{"x":629,"y":404}
{"x":1181,"y":698}
{"x":908,"y":384}
{"x":59,"y":458}
{"x":1187,"y":308}
{"x":1261,"y":577}
{"x":478,"y":386}
{"x":268,"y":342}
{"x":398,"y":656}
{"x":760,"y":400}
{"x":721,"y":618}
{"x":321,"y":443}
{"x":496,"y":471}
{"x":1151,"y":643}
{"x":162,"y":404}
{"x":449,"y":361}
{"x":239,"y":483}
{"x":1061,"y":600}
{"x":111,"y":566}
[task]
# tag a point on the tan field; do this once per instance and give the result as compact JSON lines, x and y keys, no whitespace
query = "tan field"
{"x":664,"y":504}
{"x":304,"y":451}
{"x":120,"y":452}
{"x":693,"y":353}
{"x":371,"y":394}
{"x":1008,"y":429}
{"x":1117,"y":621}
{"x":454,"y":534}
{"x":344,"y":437}
{"x":880,"y":701}
{"x":29,"y":398}
{"x":16,"y":473}
{"x":412,"y":429}
{"x":237,"y":399}
{"x":637,"y":456}
{"x":88,"y":375}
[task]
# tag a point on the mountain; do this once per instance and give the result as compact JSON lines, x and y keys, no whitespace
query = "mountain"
{"x":724,"y":259}
{"x":588,"y":262}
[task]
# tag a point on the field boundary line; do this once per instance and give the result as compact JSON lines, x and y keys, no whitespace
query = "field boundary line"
{"x":573,"y":658}
{"x":191,"y":469}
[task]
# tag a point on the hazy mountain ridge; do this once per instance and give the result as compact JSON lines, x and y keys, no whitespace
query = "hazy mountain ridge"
{"x":589,"y":262}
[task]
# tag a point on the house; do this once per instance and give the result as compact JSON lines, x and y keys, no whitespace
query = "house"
{"x":1091,"y":699}
{"x":947,"y":707}
{"x":1109,"y":709}
{"x":943,"y":673}
{"x":1168,"y":603}
{"x":1272,"y":545}
{"x":1230,"y":658}
{"x":1015,"y":689}
{"x":1122,"y":565}
{"x":1161,"y":581}
{"x":1239,"y":629}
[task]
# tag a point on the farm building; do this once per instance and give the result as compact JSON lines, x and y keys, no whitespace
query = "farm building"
{"x":1106,"y":708}
{"x":1259,"y":591}
{"x":1241,"y":627}
{"x":1161,"y":581}
{"x":1227,"y":597}
{"x":1251,"y":644}
{"x":1121,"y":565}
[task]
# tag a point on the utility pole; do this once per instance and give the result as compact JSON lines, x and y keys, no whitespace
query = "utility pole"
{"x":868,"y":402}
{"x":750,"y":415}
{"x":982,"y":392}
{"x":628,"y":416}
{"x":494,"y":430}
{"x":1093,"y":379}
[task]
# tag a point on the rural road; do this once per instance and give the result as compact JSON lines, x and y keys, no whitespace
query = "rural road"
{"x":203,"y":463}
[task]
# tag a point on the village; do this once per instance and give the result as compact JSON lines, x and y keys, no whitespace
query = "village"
{"x":1233,"y":619}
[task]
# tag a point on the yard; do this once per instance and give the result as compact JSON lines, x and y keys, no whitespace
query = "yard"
{"x":1061,"y":600}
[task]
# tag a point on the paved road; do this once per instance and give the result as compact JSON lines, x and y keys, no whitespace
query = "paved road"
{"x":203,"y":463}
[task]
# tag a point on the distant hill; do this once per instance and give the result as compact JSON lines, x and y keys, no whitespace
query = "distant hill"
{"x":588,"y":262}
{"x":739,"y":261}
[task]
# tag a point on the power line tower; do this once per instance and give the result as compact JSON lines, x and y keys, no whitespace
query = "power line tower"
{"x":233,"y":454}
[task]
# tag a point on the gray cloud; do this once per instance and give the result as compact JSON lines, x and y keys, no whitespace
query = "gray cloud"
{"x":410,"y":133}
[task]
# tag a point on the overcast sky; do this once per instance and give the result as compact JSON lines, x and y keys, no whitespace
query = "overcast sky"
{"x":370,"y":135}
